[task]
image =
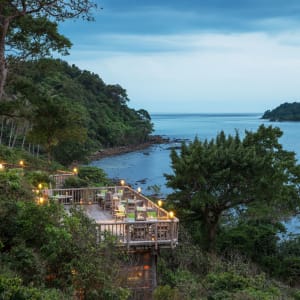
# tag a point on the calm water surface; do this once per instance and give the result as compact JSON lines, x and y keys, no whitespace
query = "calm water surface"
{"x":149,"y":165}
{"x":146,"y":168}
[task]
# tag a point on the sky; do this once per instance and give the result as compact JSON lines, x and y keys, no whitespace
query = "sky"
{"x":193,"y":56}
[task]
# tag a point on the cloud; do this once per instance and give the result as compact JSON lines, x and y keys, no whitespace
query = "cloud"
{"x":209,"y":72}
{"x":174,"y":16}
{"x":170,"y":16}
{"x":196,"y":55}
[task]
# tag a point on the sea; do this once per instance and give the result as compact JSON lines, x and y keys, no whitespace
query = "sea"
{"x":146,"y":168}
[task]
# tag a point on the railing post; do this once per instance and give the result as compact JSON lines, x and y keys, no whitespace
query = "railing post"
{"x":155,"y":236}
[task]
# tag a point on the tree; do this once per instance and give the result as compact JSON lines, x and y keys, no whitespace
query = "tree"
{"x":230,"y":175}
{"x":28,"y":28}
{"x":55,"y":121}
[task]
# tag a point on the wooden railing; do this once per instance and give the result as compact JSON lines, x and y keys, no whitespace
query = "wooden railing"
{"x":157,"y":233}
{"x":161,"y":230}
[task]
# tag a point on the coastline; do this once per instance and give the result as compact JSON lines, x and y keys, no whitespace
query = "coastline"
{"x":107,"y":152}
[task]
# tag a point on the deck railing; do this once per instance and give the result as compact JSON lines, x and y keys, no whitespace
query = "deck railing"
{"x":158,"y":230}
{"x":157,"y":233}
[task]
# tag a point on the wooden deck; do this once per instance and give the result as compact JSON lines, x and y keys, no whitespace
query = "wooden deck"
{"x":142,"y":224}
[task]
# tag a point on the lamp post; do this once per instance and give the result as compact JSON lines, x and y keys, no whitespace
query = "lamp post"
{"x":75,"y":171}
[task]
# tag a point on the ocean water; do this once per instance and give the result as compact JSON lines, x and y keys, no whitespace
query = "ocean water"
{"x":146,"y":168}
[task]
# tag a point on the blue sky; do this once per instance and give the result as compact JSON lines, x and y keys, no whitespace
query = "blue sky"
{"x":194,"y":56}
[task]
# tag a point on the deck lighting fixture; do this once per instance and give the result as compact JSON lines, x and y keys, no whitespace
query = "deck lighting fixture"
{"x":21,"y":163}
{"x":139,"y":189}
{"x":159,"y":202}
{"x":171,"y":215}
{"x":122,"y":182}
{"x":75,"y":171}
{"x":74,"y":272}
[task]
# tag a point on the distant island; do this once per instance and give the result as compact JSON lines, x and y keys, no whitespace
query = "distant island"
{"x":284,"y":112}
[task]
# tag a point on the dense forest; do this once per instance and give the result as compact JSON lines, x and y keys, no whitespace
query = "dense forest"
{"x":236,"y":188}
{"x":284,"y":112}
{"x":67,"y":112}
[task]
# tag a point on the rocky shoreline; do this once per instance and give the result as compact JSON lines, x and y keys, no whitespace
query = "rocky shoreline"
{"x":153,"y":140}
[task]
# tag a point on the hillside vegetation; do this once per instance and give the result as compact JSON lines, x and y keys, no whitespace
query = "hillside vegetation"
{"x":284,"y":112}
{"x":46,"y":253}
{"x":66,"y":112}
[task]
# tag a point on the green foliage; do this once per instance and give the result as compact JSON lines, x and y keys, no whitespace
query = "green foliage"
{"x":75,"y":182}
{"x":12,"y":288}
{"x":26,"y":262}
{"x":78,"y":113}
{"x":190,"y":273}
{"x":13,"y":185}
{"x":45,"y":247}
{"x":253,"y":177}
{"x":37,"y":177}
{"x":165,"y":292}
{"x":256,"y":239}
{"x":284,"y":112}
{"x":93,"y":175}
{"x":36,"y":37}
{"x":8,"y":154}
{"x":297,"y":295}
{"x":286,"y":263}
{"x":228,"y":285}
{"x":31,"y":162}
{"x":55,"y":121}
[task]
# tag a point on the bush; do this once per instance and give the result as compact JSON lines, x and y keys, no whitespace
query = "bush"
{"x":75,"y":182}
{"x":37,"y":177}
{"x":13,"y":186}
{"x":93,"y":175}
{"x":12,"y":288}
{"x":165,"y":292}
{"x":229,"y":285}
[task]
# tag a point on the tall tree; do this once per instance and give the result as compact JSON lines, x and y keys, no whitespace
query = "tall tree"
{"x":227,"y":175}
{"x":28,"y":28}
{"x":56,"y":120}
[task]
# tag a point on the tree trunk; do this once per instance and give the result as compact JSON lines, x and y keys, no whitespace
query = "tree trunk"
{"x":211,"y":237}
{"x":38,"y":151}
{"x":2,"y":129}
{"x":210,"y":226}
{"x":3,"y":65}
{"x":16,"y":136}
{"x":24,"y":137}
{"x":11,"y":134}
